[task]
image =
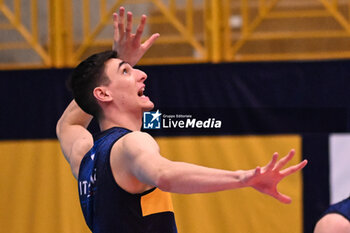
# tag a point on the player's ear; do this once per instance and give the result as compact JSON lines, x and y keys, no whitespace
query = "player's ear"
{"x":102,"y":94}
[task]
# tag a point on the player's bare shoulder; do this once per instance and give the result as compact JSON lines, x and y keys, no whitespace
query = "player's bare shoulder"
{"x":332,"y":223}
{"x":136,"y":142}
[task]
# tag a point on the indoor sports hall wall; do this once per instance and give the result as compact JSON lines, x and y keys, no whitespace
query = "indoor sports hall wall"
{"x":263,"y":107}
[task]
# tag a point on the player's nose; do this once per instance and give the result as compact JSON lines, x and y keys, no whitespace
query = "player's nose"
{"x":142,"y":76}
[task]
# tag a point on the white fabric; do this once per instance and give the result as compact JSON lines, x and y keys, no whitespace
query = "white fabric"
{"x":339,"y":165}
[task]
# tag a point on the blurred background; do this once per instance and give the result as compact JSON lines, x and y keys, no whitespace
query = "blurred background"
{"x":275,"y":72}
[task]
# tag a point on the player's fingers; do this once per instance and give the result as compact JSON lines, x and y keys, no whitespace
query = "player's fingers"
{"x":115,"y":26}
{"x":273,"y":161}
{"x":257,"y":171}
{"x":139,"y":30}
{"x":283,"y":198}
{"x":282,"y":162}
{"x":128,"y":24}
{"x":121,"y":21}
{"x":295,"y":168}
{"x":148,"y":43}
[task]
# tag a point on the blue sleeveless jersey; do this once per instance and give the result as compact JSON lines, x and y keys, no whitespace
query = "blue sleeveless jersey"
{"x":342,"y":208}
{"x":107,"y":208}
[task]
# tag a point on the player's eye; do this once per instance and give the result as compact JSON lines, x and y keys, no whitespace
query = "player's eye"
{"x":125,"y":71}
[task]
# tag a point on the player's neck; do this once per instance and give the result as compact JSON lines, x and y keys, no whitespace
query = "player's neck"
{"x":131,"y":121}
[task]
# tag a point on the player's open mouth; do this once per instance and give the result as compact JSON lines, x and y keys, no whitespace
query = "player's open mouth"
{"x":140,"y":92}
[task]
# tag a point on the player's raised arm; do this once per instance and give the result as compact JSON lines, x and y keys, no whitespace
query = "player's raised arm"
{"x":75,"y":139}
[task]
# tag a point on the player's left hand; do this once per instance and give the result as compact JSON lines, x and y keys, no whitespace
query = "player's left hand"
{"x":265,"y":179}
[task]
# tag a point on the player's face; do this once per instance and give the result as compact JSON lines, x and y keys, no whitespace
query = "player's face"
{"x":127,"y":86}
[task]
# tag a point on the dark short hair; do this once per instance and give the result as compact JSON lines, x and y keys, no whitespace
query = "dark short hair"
{"x":88,"y":75}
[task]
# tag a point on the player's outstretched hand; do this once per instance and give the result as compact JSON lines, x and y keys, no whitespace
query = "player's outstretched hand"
{"x":265,"y":179}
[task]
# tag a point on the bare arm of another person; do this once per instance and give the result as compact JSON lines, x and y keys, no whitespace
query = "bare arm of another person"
{"x":332,"y":223}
